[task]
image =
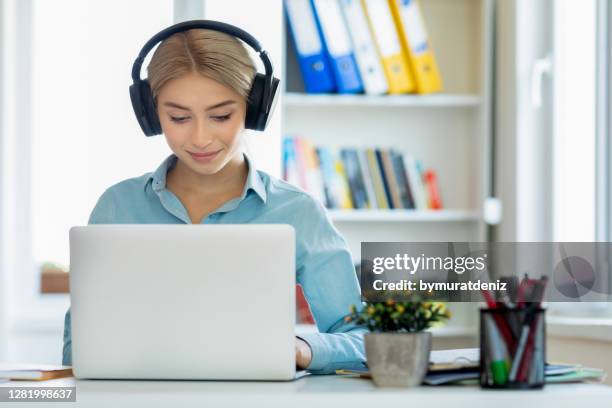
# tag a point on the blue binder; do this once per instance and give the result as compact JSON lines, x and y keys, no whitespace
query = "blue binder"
{"x":314,"y":63}
{"x":337,"y":45}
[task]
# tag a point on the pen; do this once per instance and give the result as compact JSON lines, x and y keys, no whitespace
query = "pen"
{"x":523,"y":287}
{"x":524,"y":363}
{"x":520,"y":349}
{"x":498,"y":352}
{"x":502,"y":324}
{"x":536,"y":375}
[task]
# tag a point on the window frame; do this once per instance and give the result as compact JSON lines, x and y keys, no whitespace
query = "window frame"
{"x":603,"y":136}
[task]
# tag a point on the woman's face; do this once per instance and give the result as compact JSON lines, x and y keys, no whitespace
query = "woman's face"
{"x":200,"y":116}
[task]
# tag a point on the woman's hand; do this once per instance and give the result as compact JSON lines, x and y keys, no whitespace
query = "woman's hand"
{"x":303,"y":353}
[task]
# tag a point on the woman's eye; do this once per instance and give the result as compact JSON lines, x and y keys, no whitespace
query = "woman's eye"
{"x":221,"y":118}
{"x":179,"y":119}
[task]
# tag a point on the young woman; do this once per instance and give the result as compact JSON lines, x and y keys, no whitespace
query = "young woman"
{"x":200,"y":80}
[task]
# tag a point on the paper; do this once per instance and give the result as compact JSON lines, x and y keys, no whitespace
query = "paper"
{"x":581,"y":375}
{"x":466,"y":356}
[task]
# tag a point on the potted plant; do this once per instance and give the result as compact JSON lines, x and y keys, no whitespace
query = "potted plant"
{"x":398,"y":347}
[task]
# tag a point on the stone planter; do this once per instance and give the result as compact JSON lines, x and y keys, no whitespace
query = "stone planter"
{"x":398,"y":359}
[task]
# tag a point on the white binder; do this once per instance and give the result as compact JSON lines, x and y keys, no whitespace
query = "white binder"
{"x":368,"y":61}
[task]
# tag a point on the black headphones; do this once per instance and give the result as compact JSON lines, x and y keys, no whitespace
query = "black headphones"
{"x":262,"y":96}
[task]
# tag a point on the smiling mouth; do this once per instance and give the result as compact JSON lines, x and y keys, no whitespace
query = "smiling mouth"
{"x":204,"y":157}
{"x":210,"y":154}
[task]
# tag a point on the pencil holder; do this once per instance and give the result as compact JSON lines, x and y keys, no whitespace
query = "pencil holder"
{"x":512,"y":347}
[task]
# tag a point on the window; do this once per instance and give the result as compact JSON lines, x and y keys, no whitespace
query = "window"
{"x":582,"y":135}
{"x":73,"y":132}
{"x":574,"y":134}
{"x":82,"y":55}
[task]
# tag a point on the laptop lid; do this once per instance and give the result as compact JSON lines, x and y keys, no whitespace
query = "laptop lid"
{"x":183,"y":301}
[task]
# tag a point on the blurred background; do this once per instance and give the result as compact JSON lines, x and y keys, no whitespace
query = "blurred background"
{"x":514,"y":146}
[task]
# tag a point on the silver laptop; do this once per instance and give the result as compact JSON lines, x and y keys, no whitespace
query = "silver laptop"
{"x":183,"y":301}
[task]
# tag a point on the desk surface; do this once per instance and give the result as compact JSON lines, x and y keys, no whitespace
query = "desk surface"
{"x":318,"y":391}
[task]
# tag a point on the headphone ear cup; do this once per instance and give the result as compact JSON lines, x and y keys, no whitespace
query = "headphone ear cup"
{"x":271,"y":102}
{"x":254,"y":102}
{"x":149,"y":108}
{"x":137,"y":106}
{"x":144,"y":108}
{"x":258,"y":110}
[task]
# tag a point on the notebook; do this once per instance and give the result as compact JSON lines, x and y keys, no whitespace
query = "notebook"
{"x":33,"y":372}
{"x":454,"y":359}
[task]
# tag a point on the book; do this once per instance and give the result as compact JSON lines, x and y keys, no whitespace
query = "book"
{"x":33,"y":372}
{"x":402,"y":182}
{"x":335,"y":186}
{"x":433,"y":191}
{"x":391,"y":180}
{"x":314,"y":178}
{"x":415,"y":180}
{"x":343,"y":187}
{"x":300,"y":160}
{"x":385,"y":181}
{"x":350,"y":160}
{"x":367,"y":178}
{"x":377,"y":181}
{"x":290,"y":166}
{"x":328,"y":172}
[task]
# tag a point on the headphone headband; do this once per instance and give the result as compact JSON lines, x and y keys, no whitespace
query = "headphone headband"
{"x":203,"y":24}
{"x":262,"y":95}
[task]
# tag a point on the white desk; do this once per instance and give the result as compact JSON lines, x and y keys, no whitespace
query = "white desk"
{"x":317,"y":391}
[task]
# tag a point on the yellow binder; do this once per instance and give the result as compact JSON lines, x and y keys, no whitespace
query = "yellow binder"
{"x":392,"y":55}
{"x":416,"y":45}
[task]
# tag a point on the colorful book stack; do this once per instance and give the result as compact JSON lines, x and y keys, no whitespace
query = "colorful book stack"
{"x":355,"y":46}
{"x":349,"y":178}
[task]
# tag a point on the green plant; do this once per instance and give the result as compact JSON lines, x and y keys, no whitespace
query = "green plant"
{"x":399,"y":316}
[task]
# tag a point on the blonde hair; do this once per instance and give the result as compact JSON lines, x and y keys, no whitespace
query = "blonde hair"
{"x":213,"y":54}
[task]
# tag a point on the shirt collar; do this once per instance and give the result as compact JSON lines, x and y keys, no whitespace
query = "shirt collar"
{"x":253,"y":182}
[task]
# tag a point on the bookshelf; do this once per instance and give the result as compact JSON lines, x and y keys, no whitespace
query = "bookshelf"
{"x":299,"y":100}
{"x":449,"y":132}
{"x":402,"y":215}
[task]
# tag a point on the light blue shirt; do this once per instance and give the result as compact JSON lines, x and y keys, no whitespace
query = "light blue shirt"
{"x":324,"y":265}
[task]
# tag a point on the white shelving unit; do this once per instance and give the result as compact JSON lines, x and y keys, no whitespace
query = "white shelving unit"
{"x":295,"y":99}
{"x":449,"y":132}
{"x":402,"y":215}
